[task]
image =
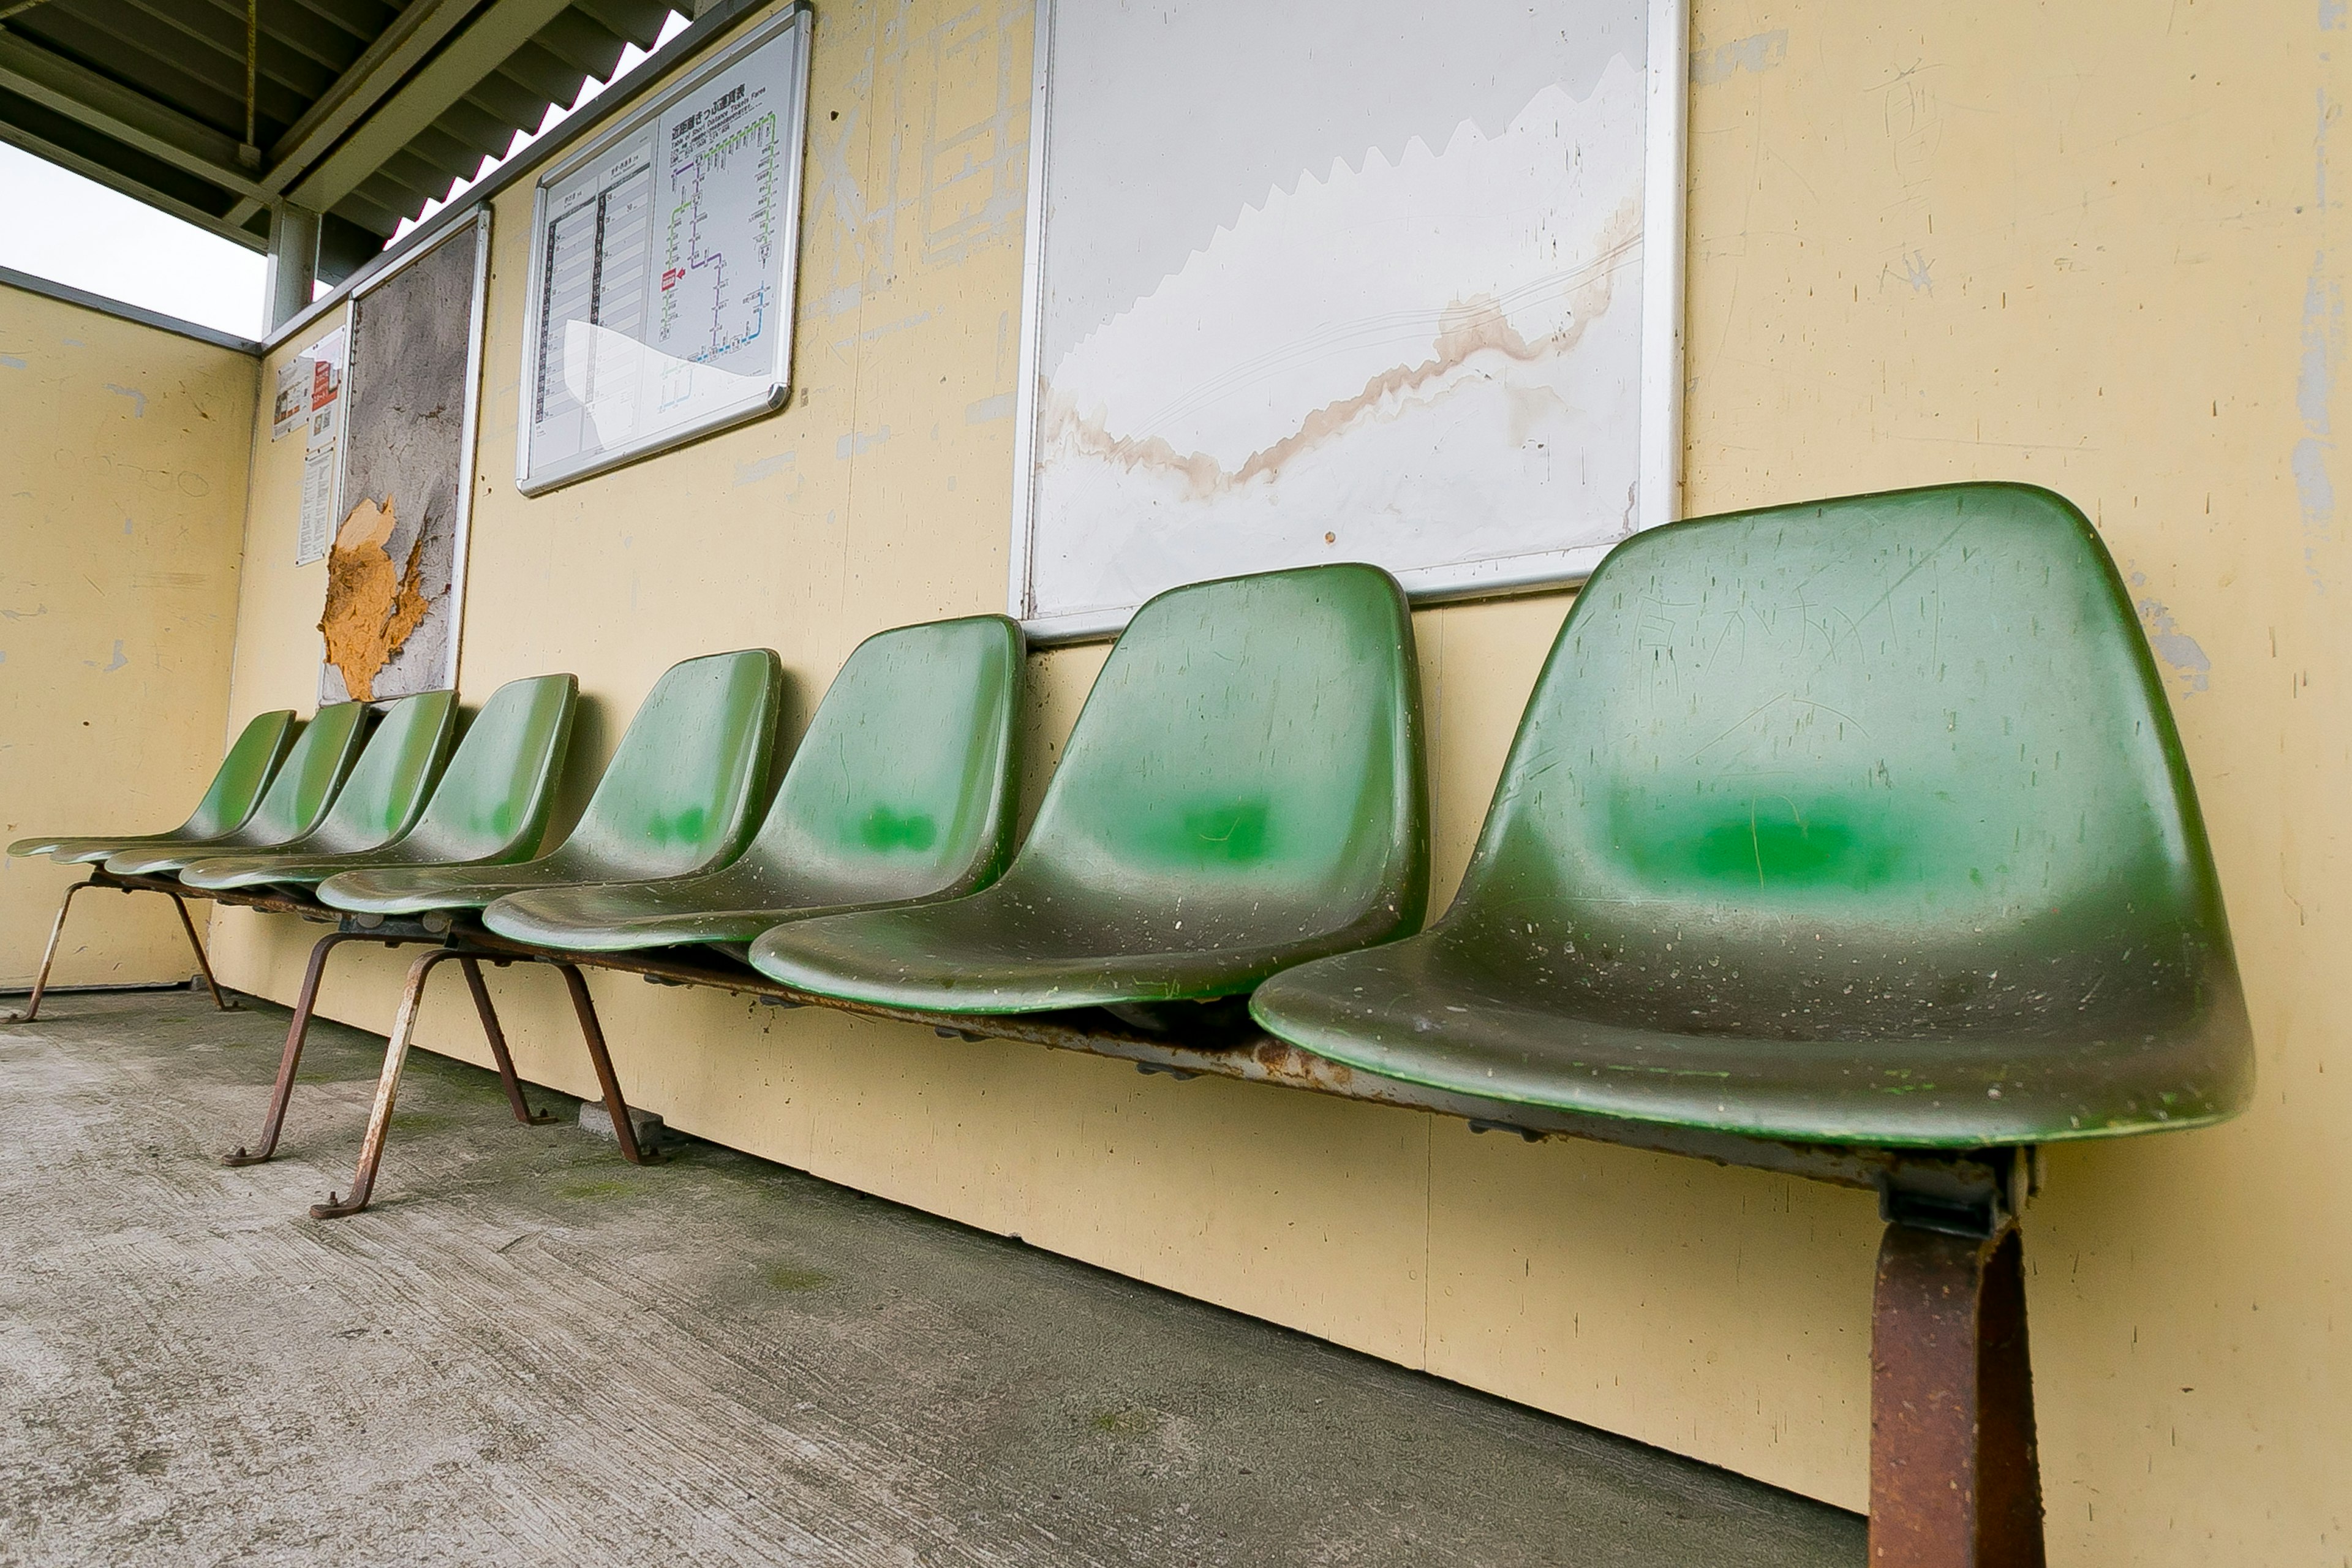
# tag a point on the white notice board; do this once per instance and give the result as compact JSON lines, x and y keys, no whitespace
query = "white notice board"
{"x":660,"y":297}
{"x":1374,"y":283}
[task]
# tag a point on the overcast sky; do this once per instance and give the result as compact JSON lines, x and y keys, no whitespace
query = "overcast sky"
{"x":55,"y":225}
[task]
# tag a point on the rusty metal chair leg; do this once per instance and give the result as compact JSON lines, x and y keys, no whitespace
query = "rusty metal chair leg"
{"x":296,"y":1032}
{"x":614,"y":1105}
{"x":522,"y":1111}
{"x":49,"y":955}
{"x":387,"y":1087}
{"x":1955,"y":1479}
{"x":203,"y":963}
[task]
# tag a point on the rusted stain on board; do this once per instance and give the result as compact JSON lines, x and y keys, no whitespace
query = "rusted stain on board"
{"x":372,"y":606}
{"x":1465,"y":330}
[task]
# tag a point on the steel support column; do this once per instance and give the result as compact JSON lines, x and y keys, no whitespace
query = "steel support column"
{"x":1954,"y":1479}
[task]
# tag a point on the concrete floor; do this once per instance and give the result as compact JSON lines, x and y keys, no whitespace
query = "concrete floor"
{"x":532,"y":1351}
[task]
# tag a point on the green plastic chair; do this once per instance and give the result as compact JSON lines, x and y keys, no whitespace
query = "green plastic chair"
{"x":228,"y":800}
{"x":903,"y":791}
{"x":1243,"y":791}
{"x":386,"y":788}
{"x":1857,"y":822}
{"x":489,"y":807}
{"x":678,"y":796}
{"x":297,"y":797}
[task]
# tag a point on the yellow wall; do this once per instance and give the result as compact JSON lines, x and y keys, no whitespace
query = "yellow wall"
{"x":2085,"y":246}
{"x":123,"y":488}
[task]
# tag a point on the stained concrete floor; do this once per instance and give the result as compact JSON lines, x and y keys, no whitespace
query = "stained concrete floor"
{"x":534,"y":1353}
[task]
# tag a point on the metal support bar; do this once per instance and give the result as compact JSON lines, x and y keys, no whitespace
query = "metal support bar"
{"x":489,"y":1017}
{"x":395,"y":1059}
{"x":1955,"y":1477}
{"x":49,"y":955}
{"x":387,"y":1089}
{"x":614,"y":1105}
{"x":31,"y":1012}
{"x":296,"y":1032}
{"x":202,"y":963}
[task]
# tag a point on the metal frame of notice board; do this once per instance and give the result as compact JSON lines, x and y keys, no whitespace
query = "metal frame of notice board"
{"x":470,"y":420}
{"x":1667,"y":93}
{"x":797,"y":19}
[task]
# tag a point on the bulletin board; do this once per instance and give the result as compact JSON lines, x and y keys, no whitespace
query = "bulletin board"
{"x":397,"y":567}
{"x":662,"y":261}
{"x":1404,"y":288}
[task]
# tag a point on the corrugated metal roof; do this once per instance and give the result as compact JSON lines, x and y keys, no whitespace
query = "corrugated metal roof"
{"x":150,"y":96}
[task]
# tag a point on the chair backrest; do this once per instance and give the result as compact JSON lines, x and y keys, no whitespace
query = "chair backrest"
{"x":388,"y":785}
{"x":905,"y":784}
{"x":1904,"y":752}
{"x":308,"y":779}
{"x":1252,"y":748}
{"x":691,"y":769}
{"x":495,"y":796}
{"x":242,"y":774}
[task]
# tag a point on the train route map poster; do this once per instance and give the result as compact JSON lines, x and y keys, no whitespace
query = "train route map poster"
{"x":662,"y":262}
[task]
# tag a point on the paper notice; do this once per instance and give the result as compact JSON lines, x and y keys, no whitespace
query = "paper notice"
{"x":293,"y":406}
{"x":322,"y":468}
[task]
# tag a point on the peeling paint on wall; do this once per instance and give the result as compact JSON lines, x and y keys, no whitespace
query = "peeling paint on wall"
{"x":1757,"y":52}
{"x":765,"y":467}
{"x":372,"y":607}
{"x":138,"y":399}
{"x":2188,"y":662}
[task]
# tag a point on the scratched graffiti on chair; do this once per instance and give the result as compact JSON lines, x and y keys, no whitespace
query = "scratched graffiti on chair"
{"x":388,"y":623}
{"x":1388,"y":307}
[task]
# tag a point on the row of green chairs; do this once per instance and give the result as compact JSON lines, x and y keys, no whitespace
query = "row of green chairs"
{"x":1859,"y":824}
{"x":1794,"y":785}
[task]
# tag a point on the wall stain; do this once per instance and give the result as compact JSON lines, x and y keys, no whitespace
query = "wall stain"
{"x":1465,"y":329}
{"x":2175,"y":648}
{"x":1757,"y":53}
{"x":2322,"y":335}
{"x":765,"y":467}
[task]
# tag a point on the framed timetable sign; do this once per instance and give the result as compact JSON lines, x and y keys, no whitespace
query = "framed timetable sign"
{"x":660,"y":294}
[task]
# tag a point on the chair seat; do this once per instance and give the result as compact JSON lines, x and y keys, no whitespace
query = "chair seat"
{"x":1857,"y":821}
{"x":1021,"y":949}
{"x":1242,"y":790}
{"x":89,"y":851}
{"x":416,"y":889}
{"x":901,"y":792}
{"x":730,"y":908}
{"x":236,"y":789}
{"x":223,"y":873}
{"x":489,"y":807}
{"x":1915,"y":1055}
